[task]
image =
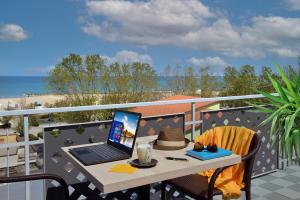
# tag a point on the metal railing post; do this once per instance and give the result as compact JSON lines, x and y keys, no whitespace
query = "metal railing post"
{"x":193,"y":120}
{"x":7,"y":162}
{"x":26,"y":156}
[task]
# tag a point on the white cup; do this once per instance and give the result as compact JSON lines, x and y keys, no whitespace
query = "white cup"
{"x":144,"y":152}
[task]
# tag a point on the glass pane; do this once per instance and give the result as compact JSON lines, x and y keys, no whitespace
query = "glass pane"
{"x":36,"y":159}
{"x":12,"y":164}
{"x":37,"y":190}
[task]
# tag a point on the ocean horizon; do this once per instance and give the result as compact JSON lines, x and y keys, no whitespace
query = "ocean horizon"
{"x":21,"y":86}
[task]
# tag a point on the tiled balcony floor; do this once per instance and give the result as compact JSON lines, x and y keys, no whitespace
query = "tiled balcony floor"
{"x":280,"y":185}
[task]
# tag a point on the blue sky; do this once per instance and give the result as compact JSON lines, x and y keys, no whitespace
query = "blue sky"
{"x":130,"y":121}
{"x":35,"y":35}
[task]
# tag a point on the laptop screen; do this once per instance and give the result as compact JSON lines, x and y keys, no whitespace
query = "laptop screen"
{"x":124,"y":128}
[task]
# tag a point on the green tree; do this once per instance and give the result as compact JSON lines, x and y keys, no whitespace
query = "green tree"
{"x":231,"y":76}
{"x":176,"y":82}
{"x":81,"y":77}
{"x":263,"y":81}
{"x":77,"y":77}
{"x":208,"y":83}
{"x":248,"y":80}
{"x":190,"y":81}
{"x":115,"y":81}
{"x":168,"y":76}
{"x":143,"y":81}
{"x":127,"y":83}
{"x":239,"y":82}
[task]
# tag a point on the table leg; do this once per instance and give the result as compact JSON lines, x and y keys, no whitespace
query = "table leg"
{"x":144,"y":192}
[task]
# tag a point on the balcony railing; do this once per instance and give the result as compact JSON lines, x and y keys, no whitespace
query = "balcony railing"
{"x":26,"y":113}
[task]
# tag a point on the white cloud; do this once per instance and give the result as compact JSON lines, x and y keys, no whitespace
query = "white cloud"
{"x":276,"y":35}
{"x":126,"y":56}
{"x":284,"y":52}
{"x":293,"y":4}
{"x":191,"y":24}
{"x":105,"y":30}
{"x":208,"y":61}
{"x":146,"y":23}
{"x":216,"y":64}
{"x":12,"y":32}
{"x":165,"y":14}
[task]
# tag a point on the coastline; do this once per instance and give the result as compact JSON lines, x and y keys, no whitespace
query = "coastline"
{"x":21,"y":101}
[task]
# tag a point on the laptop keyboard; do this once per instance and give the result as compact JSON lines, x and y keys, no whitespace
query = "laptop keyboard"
{"x":106,"y":151}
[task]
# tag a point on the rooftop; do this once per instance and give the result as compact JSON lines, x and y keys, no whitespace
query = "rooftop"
{"x":174,"y":108}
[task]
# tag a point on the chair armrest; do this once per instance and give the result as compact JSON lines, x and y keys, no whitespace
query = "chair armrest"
{"x":211,"y":184}
{"x":251,"y":154}
{"x":220,"y":170}
{"x":38,"y":177}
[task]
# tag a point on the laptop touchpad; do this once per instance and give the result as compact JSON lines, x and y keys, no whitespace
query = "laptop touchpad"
{"x":82,"y":152}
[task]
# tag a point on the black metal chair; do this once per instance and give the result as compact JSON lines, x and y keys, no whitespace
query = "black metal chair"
{"x":197,"y":186}
{"x":62,"y":194}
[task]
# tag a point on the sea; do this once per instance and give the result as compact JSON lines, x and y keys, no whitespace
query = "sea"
{"x":21,"y":86}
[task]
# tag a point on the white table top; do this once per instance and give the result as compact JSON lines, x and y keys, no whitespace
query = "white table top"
{"x":165,"y":169}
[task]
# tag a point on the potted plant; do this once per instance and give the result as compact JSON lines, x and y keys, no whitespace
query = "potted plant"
{"x":80,"y":129}
{"x":55,"y":132}
{"x":284,"y":113}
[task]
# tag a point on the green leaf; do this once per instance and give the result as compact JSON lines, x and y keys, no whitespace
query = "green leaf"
{"x":273,"y":125}
{"x":286,"y":123}
{"x":288,"y":148}
{"x":278,"y":88}
{"x":277,"y":112}
{"x":296,"y":142}
{"x":291,"y":120}
{"x":287,"y":139}
{"x":298,"y":86}
{"x":260,"y":108}
{"x":293,"y":75}
{"x":291,"y":98}
{"x":286,"y":80}
{"x":274,"y":99}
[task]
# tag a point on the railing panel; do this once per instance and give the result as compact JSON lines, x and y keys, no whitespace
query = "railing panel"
{"x":56,"y":137}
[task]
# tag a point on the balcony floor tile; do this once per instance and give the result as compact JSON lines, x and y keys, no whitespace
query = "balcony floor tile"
{"x":289,"y":193}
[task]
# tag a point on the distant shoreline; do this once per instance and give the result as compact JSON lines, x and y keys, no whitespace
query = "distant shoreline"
{"x":23,"y":86}
{"x":21,"y":101}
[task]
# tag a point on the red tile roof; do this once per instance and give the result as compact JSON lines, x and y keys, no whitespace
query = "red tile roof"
{"x":172,"y":109}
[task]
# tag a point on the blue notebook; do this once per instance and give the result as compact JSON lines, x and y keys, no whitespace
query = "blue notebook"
{"x":206,"y":155}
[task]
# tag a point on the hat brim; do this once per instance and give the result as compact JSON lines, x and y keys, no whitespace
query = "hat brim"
{"x":167,"y":148}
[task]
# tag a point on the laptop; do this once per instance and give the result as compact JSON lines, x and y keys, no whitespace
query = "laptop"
{"x":120,"y":141}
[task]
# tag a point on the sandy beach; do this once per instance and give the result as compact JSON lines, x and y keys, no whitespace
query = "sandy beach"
{"x":21,"y":101}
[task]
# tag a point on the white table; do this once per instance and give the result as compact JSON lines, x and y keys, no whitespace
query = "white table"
{"x":165,"y":169}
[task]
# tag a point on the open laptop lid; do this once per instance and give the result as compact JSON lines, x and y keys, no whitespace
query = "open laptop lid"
{"x":123,"y":131}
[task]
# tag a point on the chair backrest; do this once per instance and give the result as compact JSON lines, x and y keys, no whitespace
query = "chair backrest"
{"x":250,"y":157}
{"x":62,"y":191}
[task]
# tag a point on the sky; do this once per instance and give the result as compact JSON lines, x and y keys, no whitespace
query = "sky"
{"x":35,"y":35}
{"x":130,"y":121}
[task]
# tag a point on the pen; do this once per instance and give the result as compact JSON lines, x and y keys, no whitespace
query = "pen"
{"x":174,"y":158}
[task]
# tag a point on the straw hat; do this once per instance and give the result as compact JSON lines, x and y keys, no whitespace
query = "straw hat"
{"x":170,"y":139}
